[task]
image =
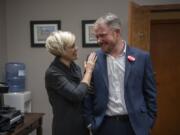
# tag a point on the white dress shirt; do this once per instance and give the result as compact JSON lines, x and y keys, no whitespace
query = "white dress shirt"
{"x":116,"y":72}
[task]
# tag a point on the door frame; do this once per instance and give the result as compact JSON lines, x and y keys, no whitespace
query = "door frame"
{"x":141,"y":37}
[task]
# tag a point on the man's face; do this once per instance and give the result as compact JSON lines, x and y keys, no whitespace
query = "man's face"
{"x":106,"y":37}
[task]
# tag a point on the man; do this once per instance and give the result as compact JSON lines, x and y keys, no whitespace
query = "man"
{"x":123,"y":101}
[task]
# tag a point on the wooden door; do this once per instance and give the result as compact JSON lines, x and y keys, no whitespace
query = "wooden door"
{"x":139,"y":26}
{"x":165,"y":52}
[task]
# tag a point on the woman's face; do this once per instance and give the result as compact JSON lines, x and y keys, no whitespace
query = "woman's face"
{"x":70,"y":53}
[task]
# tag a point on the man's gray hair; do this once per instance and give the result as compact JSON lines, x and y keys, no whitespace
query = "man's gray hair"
{"x":110,"y":19}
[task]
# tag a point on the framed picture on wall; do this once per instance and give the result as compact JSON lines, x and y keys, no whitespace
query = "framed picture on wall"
{"x":40,"y":30}
{"x":88,"y":37}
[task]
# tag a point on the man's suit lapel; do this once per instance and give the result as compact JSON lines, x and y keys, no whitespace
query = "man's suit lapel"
{"x":103,"y":65}
{"x":127,"y":65}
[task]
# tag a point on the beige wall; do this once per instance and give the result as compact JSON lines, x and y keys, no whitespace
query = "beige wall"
{"x":18,"y":15}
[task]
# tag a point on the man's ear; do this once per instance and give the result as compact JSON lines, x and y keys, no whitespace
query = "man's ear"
{"x":118,"y":31}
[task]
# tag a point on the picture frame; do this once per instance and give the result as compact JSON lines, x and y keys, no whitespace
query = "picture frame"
{"x":88,"y":38}
{"x":41,"y":29}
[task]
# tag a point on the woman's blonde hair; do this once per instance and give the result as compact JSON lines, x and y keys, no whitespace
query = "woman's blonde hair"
{"x":57,"y":41}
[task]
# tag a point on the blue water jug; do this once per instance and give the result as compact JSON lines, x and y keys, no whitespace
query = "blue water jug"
{"x":15,"y":76}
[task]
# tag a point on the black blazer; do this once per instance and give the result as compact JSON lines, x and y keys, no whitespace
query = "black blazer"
{"x":65,"y":92}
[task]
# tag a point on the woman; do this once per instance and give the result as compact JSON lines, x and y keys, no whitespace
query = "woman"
{"x":65,"y":86}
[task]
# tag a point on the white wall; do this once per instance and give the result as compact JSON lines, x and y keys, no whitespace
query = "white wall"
{"x":70,"y":12}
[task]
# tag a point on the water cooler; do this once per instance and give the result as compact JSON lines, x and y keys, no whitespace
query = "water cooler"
{"x":17,"y":96}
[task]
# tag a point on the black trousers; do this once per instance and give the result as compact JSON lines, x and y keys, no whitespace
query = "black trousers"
{"x":116,"y":125}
